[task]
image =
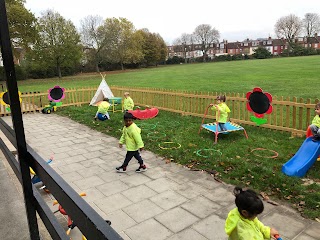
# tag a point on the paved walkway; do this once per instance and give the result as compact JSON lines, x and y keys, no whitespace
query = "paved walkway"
{"x":166,"y":202}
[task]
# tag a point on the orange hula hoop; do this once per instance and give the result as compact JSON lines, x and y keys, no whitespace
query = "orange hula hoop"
{"x":263,"y":149}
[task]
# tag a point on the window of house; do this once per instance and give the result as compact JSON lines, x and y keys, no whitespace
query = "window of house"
{"x":245,"y":44}
{"x":281,"y":47}
{"x":316,"y":45}
{"x":275,"y":47}
{"x":231,"y":50}
{"x":269,"y":42}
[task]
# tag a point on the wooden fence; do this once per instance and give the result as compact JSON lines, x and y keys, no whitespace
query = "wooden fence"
{"x":289,"y":114}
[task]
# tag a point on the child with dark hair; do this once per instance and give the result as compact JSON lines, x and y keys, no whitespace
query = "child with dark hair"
{"x":315,"y":125}
{"x":222,"y":111}
{"x":103,"y":107}
{"x":131,"y":137}
{"x":242,"y":222}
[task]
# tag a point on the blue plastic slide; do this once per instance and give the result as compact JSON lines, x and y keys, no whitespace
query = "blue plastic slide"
{"x":306,"y":156}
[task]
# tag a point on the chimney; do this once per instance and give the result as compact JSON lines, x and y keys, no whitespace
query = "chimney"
{"x":316,"y":35}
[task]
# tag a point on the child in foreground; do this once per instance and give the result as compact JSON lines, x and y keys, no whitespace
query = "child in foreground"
{"x":222,"y":111}
{"x":315,"y":125}
{"x":242,"y":222}
{"x":131,"y":137}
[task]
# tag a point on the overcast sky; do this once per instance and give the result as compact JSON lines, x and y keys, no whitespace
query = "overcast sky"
{"x":235,"y":20}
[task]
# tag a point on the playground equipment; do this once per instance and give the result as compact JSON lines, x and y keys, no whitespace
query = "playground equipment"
{"x":115,"y":104}
{"x":215,"y":128}
{"x":52,"y":107}
{"x":145,"y":114}
{"x":102,"y":92}
{"x":305,"y":157}
{"x":259,"y":103}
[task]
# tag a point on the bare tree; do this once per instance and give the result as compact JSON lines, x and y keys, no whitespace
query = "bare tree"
{"x":311,"y":24}
{"x":206,"y":35}
{"x":288,"y":27}
{"x":92,"y":37}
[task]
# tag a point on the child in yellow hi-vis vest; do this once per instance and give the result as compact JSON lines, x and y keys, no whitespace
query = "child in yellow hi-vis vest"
{"x":242,"y":222}
{"x":102,"y":113}
{"x":131,"y":137}
{"x":128,"y":103}
{"x":222,"y":111}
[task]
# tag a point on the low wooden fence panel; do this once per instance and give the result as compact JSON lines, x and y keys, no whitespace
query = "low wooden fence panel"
{"x":289,"y":114}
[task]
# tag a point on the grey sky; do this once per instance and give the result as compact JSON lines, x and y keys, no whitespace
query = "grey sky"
{"x":235,"y":20}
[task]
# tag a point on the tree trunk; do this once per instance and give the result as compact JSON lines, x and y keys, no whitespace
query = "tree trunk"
{"x":59,"y":70}
{"x":122,"y":68}
{"x":97,"y":67}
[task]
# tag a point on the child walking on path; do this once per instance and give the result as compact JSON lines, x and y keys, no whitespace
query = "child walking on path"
{"x":242,"y":222}
{"x":222,"y":111}
{"x":103,"y":107}
{"x":131,"y":137}
{"x":315,"y":125}
{"x":128,"y":103}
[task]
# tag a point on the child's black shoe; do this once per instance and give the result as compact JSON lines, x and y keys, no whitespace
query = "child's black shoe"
{"x":121,"y":169}
{"x":142,"y":168}
{"x":315,"y":139}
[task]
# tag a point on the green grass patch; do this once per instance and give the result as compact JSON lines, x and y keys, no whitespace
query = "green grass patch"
{"x":294,"y":76}
{"x":233,"y":161}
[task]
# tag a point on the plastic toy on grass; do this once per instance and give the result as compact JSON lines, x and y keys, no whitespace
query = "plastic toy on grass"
{"x":52,"y":107}
{"x":145,"y":114}
{"x":215,"y":128}
{"x":305,"y":157}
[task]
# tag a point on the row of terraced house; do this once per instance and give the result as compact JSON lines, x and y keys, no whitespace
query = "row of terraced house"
{"x":274,"y":46}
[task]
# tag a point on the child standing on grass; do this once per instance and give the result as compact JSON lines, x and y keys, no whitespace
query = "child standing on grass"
{"x":103,"y":108}
{"x":242,"y":222}
{"x":222,"y":111}
{"x":315,"y":125}
{"x":131,"y":137}
{"x":128,"y":103}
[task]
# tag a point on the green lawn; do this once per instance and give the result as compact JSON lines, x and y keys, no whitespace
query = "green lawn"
{"x":296,"y":76}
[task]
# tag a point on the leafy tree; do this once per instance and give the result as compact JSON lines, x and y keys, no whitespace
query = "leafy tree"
{"x":206,"y":35}
{"x":153,"y":47}
{"x":59,"y":43}
{"x":22,"y":25}
{"x":288,"y":27}
{"x":261,"y":53}
{"x":123,"y":43}
{"x":93,"y":38}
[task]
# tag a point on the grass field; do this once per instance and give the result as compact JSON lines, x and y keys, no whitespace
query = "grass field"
{"x":296,"y":76}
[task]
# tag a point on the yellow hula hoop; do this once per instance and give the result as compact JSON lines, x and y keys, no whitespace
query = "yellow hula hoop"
{"x":179,"y":145}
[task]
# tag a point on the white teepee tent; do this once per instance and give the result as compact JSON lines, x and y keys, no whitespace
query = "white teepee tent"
{"x":103,"y":92}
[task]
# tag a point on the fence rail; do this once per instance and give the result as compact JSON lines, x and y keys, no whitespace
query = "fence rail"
{"x":290,"y":114}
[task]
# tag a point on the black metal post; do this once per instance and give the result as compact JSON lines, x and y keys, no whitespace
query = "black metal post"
{"x":16,"y":115}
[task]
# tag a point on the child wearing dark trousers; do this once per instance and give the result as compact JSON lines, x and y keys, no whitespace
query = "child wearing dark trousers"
{"x":131,"y":137}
